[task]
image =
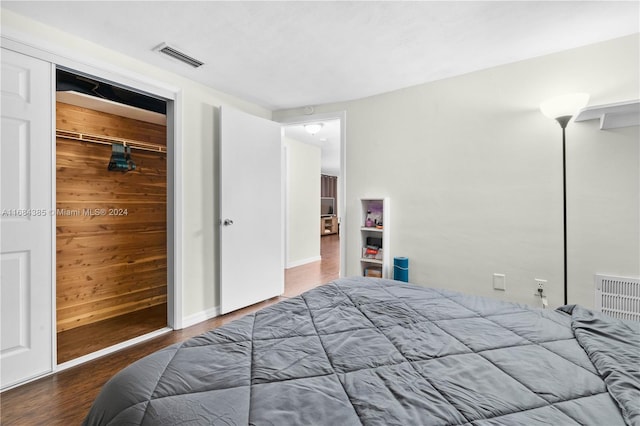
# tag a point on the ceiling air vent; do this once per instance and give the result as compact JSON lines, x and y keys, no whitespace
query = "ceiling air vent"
{"x":176,"y":54}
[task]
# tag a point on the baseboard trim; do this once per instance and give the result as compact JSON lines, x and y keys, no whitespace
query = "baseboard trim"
{"x":192,"y":319}
{"x":198,"y":317}
{"x":111,"y":349}
{"x":303,"y":261}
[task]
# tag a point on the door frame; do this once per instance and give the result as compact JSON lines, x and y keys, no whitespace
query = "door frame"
{"x":341,"y":116}
{"x":61,"y":58}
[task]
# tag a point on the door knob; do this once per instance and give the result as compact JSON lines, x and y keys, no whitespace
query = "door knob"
{"x":227,"y":222}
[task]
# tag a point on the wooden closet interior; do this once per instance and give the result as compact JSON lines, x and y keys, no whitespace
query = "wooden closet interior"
{"x":111,"y":230}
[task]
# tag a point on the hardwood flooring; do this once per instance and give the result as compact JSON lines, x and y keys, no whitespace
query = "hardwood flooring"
{"x":64,"y":398}
{"x":90,"y":338}
{"x":301,"y":278}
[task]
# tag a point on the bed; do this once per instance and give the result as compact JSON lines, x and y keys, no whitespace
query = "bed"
{"x":381,"y":352}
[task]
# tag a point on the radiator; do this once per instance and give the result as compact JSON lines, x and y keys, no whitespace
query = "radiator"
{"x":618,"y":297}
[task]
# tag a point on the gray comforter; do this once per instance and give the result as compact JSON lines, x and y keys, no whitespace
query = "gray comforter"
{"x":381,"y":352}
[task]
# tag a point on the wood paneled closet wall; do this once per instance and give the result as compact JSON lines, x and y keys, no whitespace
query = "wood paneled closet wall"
{"x":111,"y":226}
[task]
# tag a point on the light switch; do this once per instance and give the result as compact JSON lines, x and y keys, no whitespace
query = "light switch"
{"x":499,"y":282}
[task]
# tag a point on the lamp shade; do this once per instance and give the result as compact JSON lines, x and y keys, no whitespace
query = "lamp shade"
{"x":565,"y":105}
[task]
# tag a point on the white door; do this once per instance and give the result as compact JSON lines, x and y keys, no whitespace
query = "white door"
{"x":251,"y":262}
{"x":26,"y":223}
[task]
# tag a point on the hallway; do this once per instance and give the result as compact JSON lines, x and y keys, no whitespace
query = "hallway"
{"x":302,"y":278}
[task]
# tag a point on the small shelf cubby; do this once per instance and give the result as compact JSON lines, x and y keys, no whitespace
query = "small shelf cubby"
{"x":374,"y":237}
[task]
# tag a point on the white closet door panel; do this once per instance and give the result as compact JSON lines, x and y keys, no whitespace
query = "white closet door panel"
{"x":26,"y":348}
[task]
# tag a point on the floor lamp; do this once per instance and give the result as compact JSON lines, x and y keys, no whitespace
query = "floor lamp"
{"x":561,"y":109}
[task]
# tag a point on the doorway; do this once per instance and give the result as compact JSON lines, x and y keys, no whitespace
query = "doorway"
{"x":111,"y":215}
{"x":314,"y":197}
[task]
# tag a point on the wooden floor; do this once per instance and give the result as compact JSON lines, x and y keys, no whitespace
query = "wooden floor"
{"x":64,"y":398}
{"x":90,"y":338}
{"x":300,"y":279}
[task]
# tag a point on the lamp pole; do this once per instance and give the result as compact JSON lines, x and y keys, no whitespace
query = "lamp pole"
{"x":562,"y":108}
{"x":563,"y":121}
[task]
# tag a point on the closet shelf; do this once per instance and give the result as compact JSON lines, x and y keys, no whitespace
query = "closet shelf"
{"x":108,"y":140}
{"x":612,"y":116}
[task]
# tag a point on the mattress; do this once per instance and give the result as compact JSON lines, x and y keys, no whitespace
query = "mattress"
{"x":381,"y":352}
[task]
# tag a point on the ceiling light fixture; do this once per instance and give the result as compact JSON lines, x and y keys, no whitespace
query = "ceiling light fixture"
{"x":312,"y":129}
{"x":561,"y":109}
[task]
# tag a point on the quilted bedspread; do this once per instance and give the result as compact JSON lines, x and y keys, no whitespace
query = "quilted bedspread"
{"x":381,"y":352}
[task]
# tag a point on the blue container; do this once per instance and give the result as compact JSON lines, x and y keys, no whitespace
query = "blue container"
{"x":401,"y":269}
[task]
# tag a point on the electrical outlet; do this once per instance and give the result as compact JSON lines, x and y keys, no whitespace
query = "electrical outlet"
{"x":540,"y":284}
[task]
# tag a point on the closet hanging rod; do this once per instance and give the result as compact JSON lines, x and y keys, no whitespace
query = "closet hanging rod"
{"x":108,"y":140}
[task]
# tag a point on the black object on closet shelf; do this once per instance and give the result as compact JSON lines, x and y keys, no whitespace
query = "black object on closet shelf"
{"x":121,"y":158}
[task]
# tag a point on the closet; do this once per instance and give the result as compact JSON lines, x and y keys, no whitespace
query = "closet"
{"x":111,"y":223}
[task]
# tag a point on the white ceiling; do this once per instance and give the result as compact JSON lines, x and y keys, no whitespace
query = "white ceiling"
{"x":284,"y":54}
{"x":292,"y":53}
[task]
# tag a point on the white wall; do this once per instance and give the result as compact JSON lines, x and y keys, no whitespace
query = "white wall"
{"x":200,"y":103}
{"x":472,"y":168}
{"x":474,"y":173}
{"x":303,"y":202}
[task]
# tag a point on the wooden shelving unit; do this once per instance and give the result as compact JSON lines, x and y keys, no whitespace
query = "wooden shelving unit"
{"x":328,"y":225}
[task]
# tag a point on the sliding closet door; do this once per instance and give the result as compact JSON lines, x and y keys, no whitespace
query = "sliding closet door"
{"x":251,"y":237}
{"x":26,"y":221}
